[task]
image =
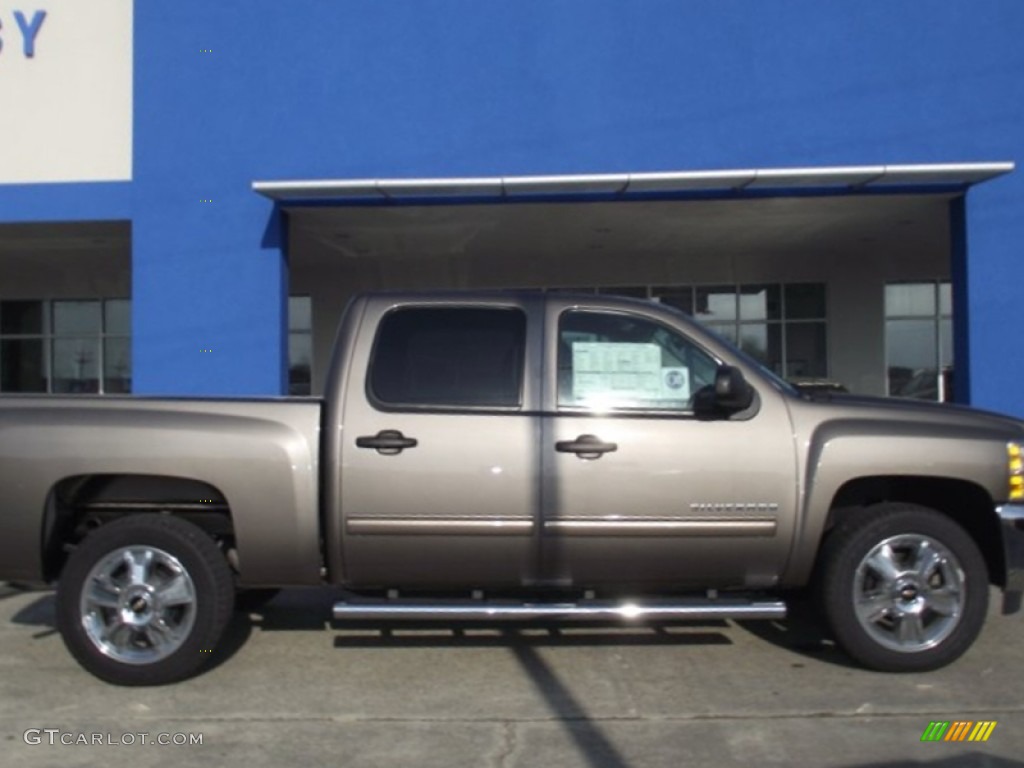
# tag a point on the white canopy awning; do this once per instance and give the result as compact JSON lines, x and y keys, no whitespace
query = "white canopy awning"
{"x":851,"y":178}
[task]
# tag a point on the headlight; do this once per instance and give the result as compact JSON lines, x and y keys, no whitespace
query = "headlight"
{"x":1015,"y":471}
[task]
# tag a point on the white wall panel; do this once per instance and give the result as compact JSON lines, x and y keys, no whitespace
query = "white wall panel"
{"x":65,"y":91}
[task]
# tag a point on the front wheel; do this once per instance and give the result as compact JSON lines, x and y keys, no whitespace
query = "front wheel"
{"x":144,"y":600}
{"x":903,"y":588}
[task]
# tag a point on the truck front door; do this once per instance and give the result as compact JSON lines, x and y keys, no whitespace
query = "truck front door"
{"x":636,"y":488}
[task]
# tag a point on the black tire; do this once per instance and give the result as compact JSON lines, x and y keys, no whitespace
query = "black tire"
{"x":919,"y":580}
{"x":145,"y":600}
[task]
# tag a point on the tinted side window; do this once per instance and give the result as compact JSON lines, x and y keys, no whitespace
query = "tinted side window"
{"x":622,"y":361}
{"x":449,"y":357}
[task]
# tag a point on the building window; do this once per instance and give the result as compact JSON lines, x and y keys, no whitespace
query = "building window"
{"x":66,"y":346}
{"x":919,"y":340}
{"x":782,"y":325}
{"x":300,"y":345}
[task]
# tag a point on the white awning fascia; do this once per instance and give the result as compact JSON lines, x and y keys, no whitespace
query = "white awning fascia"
{"x":854,"y":178}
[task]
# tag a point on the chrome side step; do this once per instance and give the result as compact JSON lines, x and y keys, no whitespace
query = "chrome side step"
{"x":409,"y":609}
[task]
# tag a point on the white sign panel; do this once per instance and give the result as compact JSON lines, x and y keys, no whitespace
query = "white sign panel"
{"x":626,"y":374}
{"x":65,"y":91}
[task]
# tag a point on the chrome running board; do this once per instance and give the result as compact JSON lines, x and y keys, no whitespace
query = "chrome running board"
{"x":410,"y":609}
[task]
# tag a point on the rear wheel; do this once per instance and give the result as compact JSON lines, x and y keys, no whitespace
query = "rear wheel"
{"x":903,"y":588}
{"x":144,"y":600}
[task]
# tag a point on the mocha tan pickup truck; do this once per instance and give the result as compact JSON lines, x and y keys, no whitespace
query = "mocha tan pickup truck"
{"x":514,"y":456}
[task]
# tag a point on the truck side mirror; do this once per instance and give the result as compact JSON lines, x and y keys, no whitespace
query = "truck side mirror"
{"x":732,"y":392}
{"x":729,"y":394}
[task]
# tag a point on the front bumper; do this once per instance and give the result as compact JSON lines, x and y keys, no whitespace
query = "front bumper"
{"x":1012,"y":524}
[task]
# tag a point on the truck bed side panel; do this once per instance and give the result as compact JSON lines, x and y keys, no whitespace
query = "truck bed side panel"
{"x":261,"y":455}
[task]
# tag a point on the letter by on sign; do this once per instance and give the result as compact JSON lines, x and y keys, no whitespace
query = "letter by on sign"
{"x":29,"y":31}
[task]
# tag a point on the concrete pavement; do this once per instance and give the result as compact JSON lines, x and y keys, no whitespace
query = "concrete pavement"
{"x":291,"y":690}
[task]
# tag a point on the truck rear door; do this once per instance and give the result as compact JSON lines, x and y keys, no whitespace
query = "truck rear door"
{"x":440,"y":452}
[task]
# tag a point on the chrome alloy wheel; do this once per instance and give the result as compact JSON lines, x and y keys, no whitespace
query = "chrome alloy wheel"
{"x":138,"y":605}
{"x":909,"y":593}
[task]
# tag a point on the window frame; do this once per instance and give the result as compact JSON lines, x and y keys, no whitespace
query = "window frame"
{"x":622,"y":411}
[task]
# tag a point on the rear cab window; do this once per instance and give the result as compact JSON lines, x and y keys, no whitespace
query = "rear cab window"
{"x":449,"y":357}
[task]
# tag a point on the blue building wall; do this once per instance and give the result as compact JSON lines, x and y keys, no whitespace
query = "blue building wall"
{"x":238,"y":90}
{"x":111,"y":201}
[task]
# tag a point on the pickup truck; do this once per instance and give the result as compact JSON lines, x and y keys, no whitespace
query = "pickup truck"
{"x":514,"y":456}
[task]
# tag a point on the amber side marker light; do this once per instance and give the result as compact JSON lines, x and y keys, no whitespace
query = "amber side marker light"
{"x":1015,"y":471}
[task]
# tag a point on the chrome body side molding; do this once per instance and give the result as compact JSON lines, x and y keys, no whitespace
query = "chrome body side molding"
{"x":448,"y":526}
{"x":746,"y":526}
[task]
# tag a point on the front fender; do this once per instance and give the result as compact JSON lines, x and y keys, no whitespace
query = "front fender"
{"x":841,"y":451}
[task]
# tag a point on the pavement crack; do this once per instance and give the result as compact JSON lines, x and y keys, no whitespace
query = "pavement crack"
{"x":509,"y":743}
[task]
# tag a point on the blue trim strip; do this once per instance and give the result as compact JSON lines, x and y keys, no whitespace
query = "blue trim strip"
{"x":99,"y":201}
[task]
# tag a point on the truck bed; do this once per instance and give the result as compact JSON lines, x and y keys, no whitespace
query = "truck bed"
{"x":260,"y":456}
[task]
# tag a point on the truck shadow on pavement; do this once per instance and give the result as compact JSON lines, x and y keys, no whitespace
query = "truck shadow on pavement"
{"x":477,"y":635}
{"x":41,"y":612}
{"x":802,"y":632}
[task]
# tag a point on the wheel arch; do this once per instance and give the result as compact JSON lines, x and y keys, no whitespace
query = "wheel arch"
{"x":78,"y":504}
{"x":964,"y":502}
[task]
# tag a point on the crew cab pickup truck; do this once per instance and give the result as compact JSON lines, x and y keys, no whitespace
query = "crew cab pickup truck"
{"x":512,"y":456}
